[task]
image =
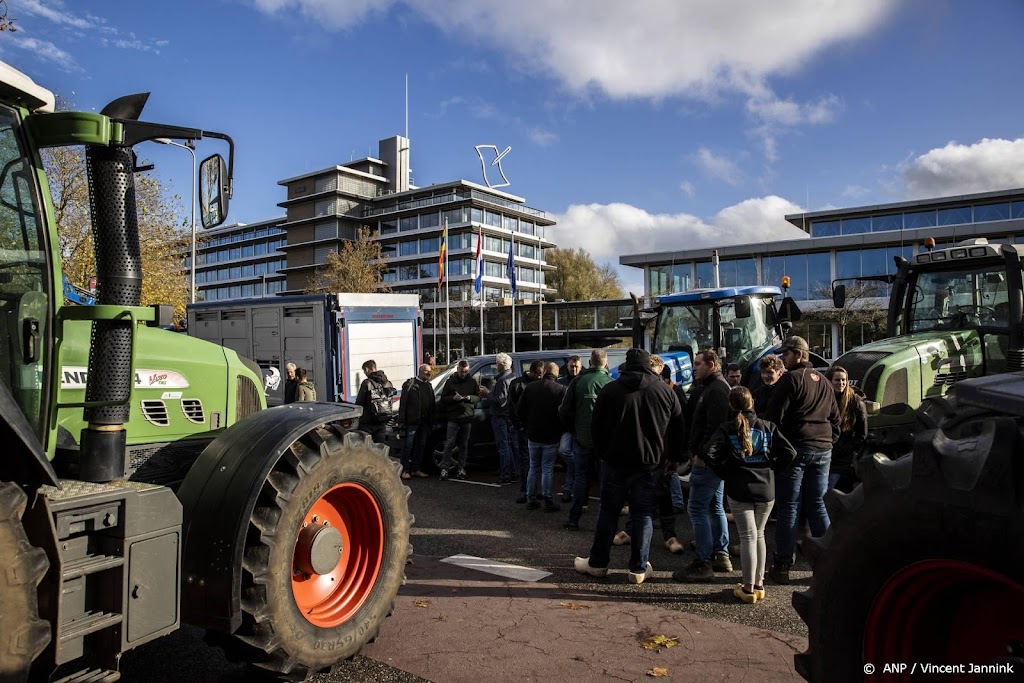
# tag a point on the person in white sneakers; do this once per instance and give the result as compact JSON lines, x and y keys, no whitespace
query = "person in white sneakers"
{"x":637,"y":419}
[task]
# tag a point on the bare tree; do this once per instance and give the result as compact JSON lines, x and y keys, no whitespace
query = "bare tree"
{"x":861,"y":307}
{"x":358,"y":267}
{"x":6,"y":23}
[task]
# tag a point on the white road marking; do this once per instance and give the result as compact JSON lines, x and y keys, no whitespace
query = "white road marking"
{"x":477,"y":483}
{"x":510,"y":571}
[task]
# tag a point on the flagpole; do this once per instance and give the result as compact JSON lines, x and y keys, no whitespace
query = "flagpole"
{"x":447,"y":300}
{"x":511,"y":258}
{"x":479,"y":266}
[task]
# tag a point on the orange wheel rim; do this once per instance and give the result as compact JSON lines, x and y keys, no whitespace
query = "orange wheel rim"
{"x":338,"y":555}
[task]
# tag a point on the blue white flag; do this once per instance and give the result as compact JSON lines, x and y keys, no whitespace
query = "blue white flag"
{"x":510,"y":268}
{"x":478,"y":286}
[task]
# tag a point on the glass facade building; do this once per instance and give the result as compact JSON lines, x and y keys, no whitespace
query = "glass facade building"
{"x":326,"y":207}
{"x":240,"y":261}
{"x":841,"y":243}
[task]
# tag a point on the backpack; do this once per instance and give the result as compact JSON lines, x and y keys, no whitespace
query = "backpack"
{"x":381,"y":408}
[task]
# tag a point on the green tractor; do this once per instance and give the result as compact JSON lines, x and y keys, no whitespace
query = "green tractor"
{"x":922,"y":568}
{"x":145,"y":482}
{"x":954,"y":314}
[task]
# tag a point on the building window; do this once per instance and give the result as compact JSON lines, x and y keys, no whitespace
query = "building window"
{"x":983,"y":213}
{"x":958,"y":216}
{"x":1017,"y":210}
{"x":408,"y":272}
{"x":476,"y":215}
{"x":408,"y":223}
{"x":824,"y":228}
{"x":430,"y":245}
{"x":455,"y":215}
{"x":408,"y":248}
{"x":492,"y":218}
{"x":492,"y":269}
{"x":856,"y":226}
{"x":527,"y":228}
{"x":430,"y":220}
{"x":892,"y":221}
{"x":389,"y":227}
{"x":428,"y":270}
{"x":510,"y":223}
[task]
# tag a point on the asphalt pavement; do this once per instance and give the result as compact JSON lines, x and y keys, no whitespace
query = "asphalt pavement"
{"x":456,"y":624}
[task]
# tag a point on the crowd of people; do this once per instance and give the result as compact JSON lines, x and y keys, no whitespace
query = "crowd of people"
{"x":778,"y":448}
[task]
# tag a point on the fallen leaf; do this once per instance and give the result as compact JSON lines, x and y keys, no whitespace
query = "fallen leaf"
{"x":574,"y":605}
{"x":658,"y":672}
{"x":422,"y":603}
{"x":659,"y":641}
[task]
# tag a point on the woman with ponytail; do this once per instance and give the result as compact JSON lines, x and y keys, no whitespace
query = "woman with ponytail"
{"x":853,"y":430}
{"x":744,"y":452}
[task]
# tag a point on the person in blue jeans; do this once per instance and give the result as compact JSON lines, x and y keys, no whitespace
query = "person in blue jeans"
{"x":573,"y":367}
{"x":576,"y":411}
{"x":710,"y":399}
{"x":637,"y":421}
{"x":538,"y":411}
{"x":497,"y":403}
{"x":804,"y":407}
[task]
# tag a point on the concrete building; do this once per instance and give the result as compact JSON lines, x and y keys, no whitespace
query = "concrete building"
{"x":240,"y":261}
{"x":324,"y":208}
{"x":841,"y":243}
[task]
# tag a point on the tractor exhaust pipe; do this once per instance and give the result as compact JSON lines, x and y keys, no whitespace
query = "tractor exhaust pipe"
{"x":115,"y":231}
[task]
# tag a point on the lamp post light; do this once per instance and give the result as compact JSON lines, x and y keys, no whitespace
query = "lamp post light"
{"x":192,"y":262}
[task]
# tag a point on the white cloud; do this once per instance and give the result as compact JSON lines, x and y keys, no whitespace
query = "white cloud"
{"x":482,"y":109}
{"x":697,"y":48}
{"x":610,"y":230}
{"x":55,"y":11}
{"x":687,"y":188}
{"x":42,"y":49}
{"x":855,"y":191}
{"x":989,"y":164}
{"x":718,"y":166}
{"x":542,"y":136}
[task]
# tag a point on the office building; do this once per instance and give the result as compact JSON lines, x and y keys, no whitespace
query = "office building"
{"x":841,"y":243}
{"x":240,"y":261}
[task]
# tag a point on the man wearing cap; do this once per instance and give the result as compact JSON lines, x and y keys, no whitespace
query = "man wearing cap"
{"x":636,"y":421}
{"x":804,"y":407}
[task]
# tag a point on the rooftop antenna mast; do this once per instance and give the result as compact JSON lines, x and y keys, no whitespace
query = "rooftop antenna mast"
{"x":407,"y":106}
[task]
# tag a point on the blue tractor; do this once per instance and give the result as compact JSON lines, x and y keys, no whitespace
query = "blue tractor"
{"x":742,"y":324}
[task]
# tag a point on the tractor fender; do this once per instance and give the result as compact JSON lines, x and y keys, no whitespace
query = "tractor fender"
{"x":218,"y":496}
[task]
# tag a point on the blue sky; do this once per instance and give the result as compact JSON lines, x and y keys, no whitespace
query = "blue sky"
{"x":664,"y":124}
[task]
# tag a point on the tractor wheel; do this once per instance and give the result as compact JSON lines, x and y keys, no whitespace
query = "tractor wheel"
{"x":924,"y":561}
{"x":23,"y":635}
{"x":325,"y":554}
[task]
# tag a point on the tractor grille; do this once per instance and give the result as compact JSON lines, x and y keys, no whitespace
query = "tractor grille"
{"x":950,"y":378}
{"x":247,"y":398}
{"x":156,"y":412}
{"x":163,"y":463}
{"x":193,"y":409}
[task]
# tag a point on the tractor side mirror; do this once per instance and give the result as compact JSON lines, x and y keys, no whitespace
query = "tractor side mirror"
{"x":743,"y":307}
{"x":213,"y":191}
{"x":789,"y":311}
{"x":839,"y":296}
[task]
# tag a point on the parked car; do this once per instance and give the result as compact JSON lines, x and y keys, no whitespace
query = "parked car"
{"x":482,"y":451}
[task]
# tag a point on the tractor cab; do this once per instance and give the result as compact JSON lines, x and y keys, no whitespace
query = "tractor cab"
{"x":741,"y":324}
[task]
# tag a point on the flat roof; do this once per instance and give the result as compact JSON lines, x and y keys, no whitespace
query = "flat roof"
{"x":328,"y":169}
{"x":799,"y":219}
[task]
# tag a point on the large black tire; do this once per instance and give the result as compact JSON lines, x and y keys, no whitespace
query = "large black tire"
{"x":279,"y":636}
{"x":23,"y":635}
{"x":926,"y":546}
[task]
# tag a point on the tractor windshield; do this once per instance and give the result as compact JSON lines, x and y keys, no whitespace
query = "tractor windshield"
{"x":714,"y":325}
{"x":960,"y":299}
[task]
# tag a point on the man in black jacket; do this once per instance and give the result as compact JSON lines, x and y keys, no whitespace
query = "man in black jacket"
{"x":710,"y":398}
{"x":375,"y":398}
{"x":499,"y":406}
{"x":804,"y":407}
{"x":520,"y":445}
{"x":637,"y":420}
{"x":291,"y":385}
{"x":459,"y":397}
{"x":415,"y":414}
{"x":538,"y":411}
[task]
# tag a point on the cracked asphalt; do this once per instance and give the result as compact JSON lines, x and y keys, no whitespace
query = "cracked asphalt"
{"x":468,"y":625}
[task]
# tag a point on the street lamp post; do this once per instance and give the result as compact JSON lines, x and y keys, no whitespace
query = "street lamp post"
{"x":192,"y":262}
